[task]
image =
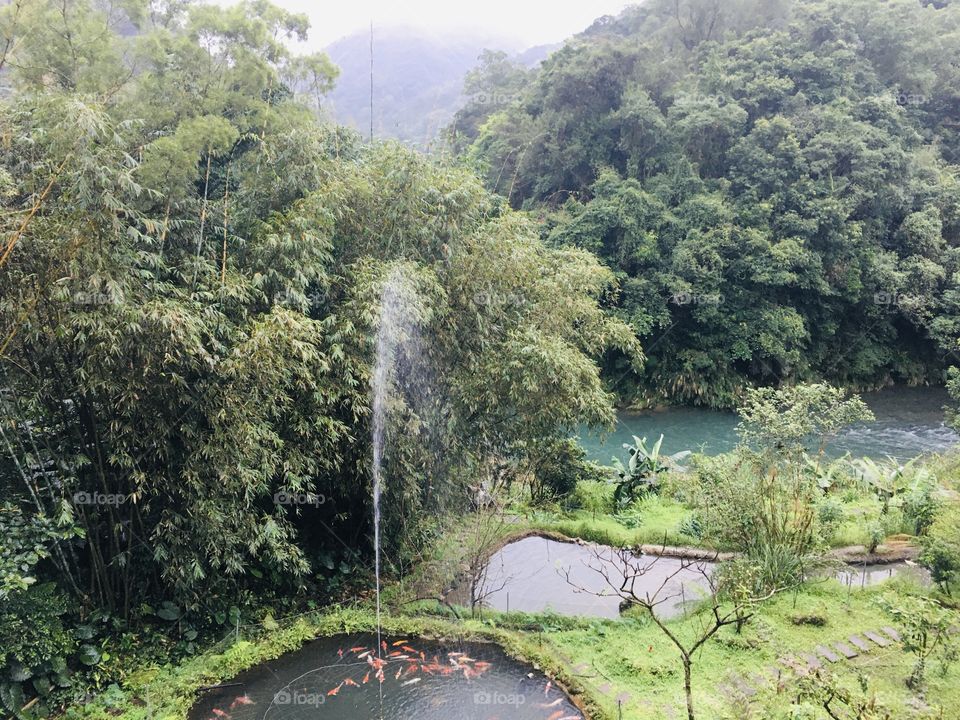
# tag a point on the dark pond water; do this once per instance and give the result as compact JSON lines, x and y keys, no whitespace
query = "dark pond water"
{"x":336,"y":679}
{"x":909,"y":422}
{"x":536,"y":574}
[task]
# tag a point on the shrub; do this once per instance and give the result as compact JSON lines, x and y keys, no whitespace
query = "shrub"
{"x":941,"y":546}
{"x":34,"y":644}
{"x":593,"y":496}
{"x":830,"y":515}
{"x":763,"y":498}
{"x":814,"y":619}
{"x":926,"y":629}
{"x":692,"y":527}
{"x":558,"y":465}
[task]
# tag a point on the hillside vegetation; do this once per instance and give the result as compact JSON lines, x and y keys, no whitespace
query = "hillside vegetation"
{"x":775,"y":185}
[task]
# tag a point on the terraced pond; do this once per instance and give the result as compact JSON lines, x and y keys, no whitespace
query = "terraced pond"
{"x":538,"y":574}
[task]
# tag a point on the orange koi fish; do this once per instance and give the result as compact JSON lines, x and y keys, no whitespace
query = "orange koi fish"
{"x":357,"y":649}
{"x":333,"y":692}
{"x":366,"y":677}
{"x":220,"y":713}
{"x":556,"y":716}
{"x":350,"y":682}
{"x":398,"y":643}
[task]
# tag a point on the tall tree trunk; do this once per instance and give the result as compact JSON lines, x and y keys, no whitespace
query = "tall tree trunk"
{"x":687,"y":687}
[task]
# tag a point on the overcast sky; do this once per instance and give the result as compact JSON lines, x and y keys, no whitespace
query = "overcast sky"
{"x":527,"y":22}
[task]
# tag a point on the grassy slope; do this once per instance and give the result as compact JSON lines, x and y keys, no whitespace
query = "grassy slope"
{"x":626,"y":656}
{"x":634,"y":657}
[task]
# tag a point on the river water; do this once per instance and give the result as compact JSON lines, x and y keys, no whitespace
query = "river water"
{"x":909,"y":422}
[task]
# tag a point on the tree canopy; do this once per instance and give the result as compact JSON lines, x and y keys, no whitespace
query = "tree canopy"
{"x":774,"y":184}
{"x":190,"y":274}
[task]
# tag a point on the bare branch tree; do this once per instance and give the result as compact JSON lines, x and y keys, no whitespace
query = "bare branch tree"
{"x":623,"y":571}
{"x":488,"y":532}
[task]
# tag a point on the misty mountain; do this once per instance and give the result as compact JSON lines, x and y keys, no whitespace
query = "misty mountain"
{"x":417,"y":79}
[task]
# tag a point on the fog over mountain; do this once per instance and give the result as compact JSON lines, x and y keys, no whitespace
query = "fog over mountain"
{"x":417,"y":78}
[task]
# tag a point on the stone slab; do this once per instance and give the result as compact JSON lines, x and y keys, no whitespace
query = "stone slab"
{"x":878,"y":639}
{"x":848,"y":652}
{"x":793,"y":664}
{"x":892,"y":632}
{"x":825,"y":652}
{"x":744,"y":687}
{"x":859,"y":643}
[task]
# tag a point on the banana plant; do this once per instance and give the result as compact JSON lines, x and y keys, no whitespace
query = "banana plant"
{"x":641,"y":473}
{"x":890,"y":479}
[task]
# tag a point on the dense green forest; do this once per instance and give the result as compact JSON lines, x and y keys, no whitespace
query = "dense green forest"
{"x":739,"y":204}
{"x":189,"y":278}
{"x":773,"y":183}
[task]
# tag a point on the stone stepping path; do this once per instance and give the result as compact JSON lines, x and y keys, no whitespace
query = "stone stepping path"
{"x":793,"y":664}
{"x":790,"y":667}
{"x":825,"y":652}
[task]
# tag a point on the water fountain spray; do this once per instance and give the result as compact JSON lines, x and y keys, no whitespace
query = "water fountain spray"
{"x":393,"y":322}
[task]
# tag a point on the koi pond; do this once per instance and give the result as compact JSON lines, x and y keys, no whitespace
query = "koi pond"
{"x":350,"y":678}
{"x":537,"y":574}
